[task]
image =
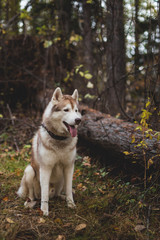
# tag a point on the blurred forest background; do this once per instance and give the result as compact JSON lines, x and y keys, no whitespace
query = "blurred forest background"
{"x":109,"y":50}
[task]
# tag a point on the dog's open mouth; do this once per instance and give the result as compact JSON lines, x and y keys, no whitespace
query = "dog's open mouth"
{"x":71,"y":129}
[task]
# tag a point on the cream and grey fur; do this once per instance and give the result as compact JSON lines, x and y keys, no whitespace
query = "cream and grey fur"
{"x":51,"y":170}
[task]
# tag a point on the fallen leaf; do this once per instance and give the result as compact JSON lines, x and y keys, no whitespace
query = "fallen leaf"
{"x":96,"y":173}
{"x":9,"y":220}
{"x":87,"y":164}
{"x":80,"y":227}
{"x":139,"y":228}
{"x":101,"y":191}
{"x":58,"y":221}
{"x":41,"y":220}
{"x":79,"y":186}
{"x":60,"y":237}
{"x":87,"y":159}
{"x":67,"y":225}
{"x":5,"y":199}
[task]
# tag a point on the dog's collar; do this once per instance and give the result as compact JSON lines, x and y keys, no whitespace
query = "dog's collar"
{"x":52,"y":135}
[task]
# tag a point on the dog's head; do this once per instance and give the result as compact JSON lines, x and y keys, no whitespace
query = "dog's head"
{"x":62,"y":113}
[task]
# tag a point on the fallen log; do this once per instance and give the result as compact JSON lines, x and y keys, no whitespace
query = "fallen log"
{"x":116,"y":136}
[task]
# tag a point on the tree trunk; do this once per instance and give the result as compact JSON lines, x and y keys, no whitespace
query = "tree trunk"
{"x":115,"y":85}
{"x":157,"y":87}
{"x":115,"y":135}
{"x":136,"y":57}
{"x":87,"y":37}
{"x":1,"y":10}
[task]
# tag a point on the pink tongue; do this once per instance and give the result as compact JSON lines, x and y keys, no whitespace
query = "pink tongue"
{"x":73,"y":131}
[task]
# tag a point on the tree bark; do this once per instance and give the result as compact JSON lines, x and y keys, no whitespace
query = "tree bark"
{"x":87,"y":37}
{"x":136,"y":58}
{"x":115,"y":135}
{"x":115,"y":85}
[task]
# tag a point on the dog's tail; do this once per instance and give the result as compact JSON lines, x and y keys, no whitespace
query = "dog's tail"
{"x":27,"y":179}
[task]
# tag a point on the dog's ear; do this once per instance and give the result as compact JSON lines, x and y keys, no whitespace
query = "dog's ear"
{"x":75,"y":95}
{"x":57,"y":95}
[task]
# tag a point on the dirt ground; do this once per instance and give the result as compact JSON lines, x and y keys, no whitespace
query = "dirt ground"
{"x":107,"y":207}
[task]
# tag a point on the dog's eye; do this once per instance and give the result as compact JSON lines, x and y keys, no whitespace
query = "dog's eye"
{"x":76,"y":110}
{"x":66,"y":110}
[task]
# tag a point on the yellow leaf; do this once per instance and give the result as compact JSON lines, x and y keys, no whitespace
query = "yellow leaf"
{"x":5,"y":199}
{"x":3,"y":31}
{"x":147,"y":104}
{"x":58,"y":221}
{"x":133,"y":139}
{"x":150,"y":162}
{"x":126,"y":153}
{"x":116,"y":228}
{"x":79,"y":186}
{"x":9,"y":220}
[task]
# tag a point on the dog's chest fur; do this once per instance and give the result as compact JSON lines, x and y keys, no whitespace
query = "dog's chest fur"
{"x":48,"y":151}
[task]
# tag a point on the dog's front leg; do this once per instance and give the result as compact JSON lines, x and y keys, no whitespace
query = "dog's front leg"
{"x":45,"y":173}
{"x":68,"y":176}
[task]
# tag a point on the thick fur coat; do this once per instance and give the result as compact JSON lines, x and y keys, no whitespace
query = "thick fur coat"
{"x":53,"y":153}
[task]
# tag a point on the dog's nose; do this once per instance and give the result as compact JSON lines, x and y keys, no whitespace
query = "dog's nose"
{"x":77,"y":121}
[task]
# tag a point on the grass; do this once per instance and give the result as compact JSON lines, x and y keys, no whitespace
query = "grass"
{"x":107,"y":207}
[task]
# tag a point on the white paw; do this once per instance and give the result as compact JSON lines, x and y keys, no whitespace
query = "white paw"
{"x":30,"y":204}
{"x":45,"y":212}
{"x":70,"y":203}
{"x":44,"y":208}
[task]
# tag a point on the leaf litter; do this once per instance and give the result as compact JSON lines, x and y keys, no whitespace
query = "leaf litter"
{"x":107,"y":207}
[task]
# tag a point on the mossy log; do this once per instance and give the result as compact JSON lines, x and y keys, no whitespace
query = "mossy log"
{"x":116,"y":135}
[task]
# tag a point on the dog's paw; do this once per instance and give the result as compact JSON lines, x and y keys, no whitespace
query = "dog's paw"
{"x":44,"y":208}
{"x":30,"y":204}
{"x":70,"y":203}
{"x":45,"y":212}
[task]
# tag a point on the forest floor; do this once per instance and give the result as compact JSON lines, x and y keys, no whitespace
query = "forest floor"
{"x":107,"y":207}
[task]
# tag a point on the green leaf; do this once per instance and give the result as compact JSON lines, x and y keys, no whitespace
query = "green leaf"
{"x":57,"y":39}
{"x":88,"y":76}
{"x":67,"y":77}
{"x":89,"y":96}
{"x":89,"y":1}
{"x":77,"y":68}
{"x":81,"y":74}
{"x":27,"y":146}
{"x":47,"y":43}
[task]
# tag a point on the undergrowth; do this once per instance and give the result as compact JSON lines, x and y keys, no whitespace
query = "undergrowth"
{"x":107,"y":207}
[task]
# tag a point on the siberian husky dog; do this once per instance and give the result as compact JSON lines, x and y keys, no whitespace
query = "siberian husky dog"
{"x":53,"y":153}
